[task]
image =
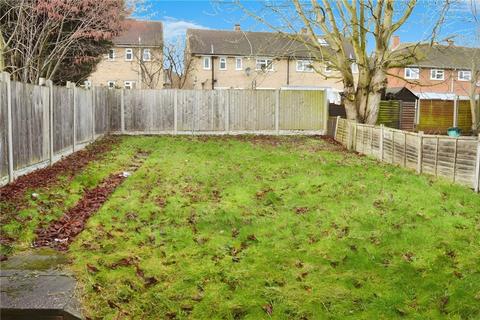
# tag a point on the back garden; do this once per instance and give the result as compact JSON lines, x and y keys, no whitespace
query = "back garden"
{"x":250,"y":227}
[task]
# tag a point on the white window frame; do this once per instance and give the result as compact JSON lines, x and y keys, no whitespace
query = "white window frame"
{"x":128,"y":51}
{"x":413,"y":71}
{"x":205,"y":59}
{"x":462,"y":73}
{"x":222,"y":60}
{"x":268,"y":62}
{"x":328,"y":68}
{"x":435,"y":72}
{"x":323,"y":42}
{"x":128,"y":84}
{"x":87,"y":83}
{"x":304,"y":66}
{"x":112,"y":56}
{"x":111,"y":84}
{"x":237,"y":59}
{"x":146,"y":54}
{"x":354,"y":67}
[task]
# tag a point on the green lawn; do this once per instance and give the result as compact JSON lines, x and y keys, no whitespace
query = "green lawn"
{"x":256,"y":228}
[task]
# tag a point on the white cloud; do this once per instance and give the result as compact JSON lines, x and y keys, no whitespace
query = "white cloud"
{"x":174,"y":28}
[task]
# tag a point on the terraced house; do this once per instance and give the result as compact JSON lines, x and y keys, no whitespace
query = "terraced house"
{"x":440,"y":71}
{"x":256,"y":60}
{"x":135,"y":60}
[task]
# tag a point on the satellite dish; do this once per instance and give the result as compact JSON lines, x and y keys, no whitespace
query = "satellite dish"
{"x":247,"y":71}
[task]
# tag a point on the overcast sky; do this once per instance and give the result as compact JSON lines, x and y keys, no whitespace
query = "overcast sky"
{"x":177,"y":16}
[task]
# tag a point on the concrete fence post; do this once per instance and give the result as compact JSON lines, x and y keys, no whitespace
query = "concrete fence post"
{"x":336,"y":128}
{"x":419,"y":151}
{"x":277,"y":112}
{"x":122,"y":110}
{"x":5,"y":77}
{"x":93,"y":112}
{"x":381,"y":142}
{"x":49,"y":84}
{"x":476,"y":177}
{"x":175,"y":111}
{"x":73,"y":88}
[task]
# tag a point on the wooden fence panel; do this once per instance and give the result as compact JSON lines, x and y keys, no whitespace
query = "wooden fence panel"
{"x":456,"y":159}
{"x":464,"y":116}
{"x":302,"y":110}
{"x":101,"y":110}
{"x":84,"y":115}
{"x":114,"y":100}
{"x":389,"y":113}
{"x":62,"y":118}
{"x":202,"y":110}
{"x":30,"y":124}
{"x":3,"y":131}
{"x":252,"y":110}
{"x":407,"y":116}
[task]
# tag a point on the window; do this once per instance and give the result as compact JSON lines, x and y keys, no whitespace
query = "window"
{"x":238,"y":63}
{"x":464,"y":75}
{"x":128,"y":54}
{"x":412,"y":73}
{"x":264,"y":64}
{"x":111,"y":55}
{"x":87,"y":83}
{"x":147,"y":55}
{"x":304,"y":66}
{"x":129,"y":84}
{"x":223,"y":63}
{"x":206,"y":63}
{"x":354,"y":67}
{"x":323,"y":42}
{"x":328,"y":67}
{"x":437,"y":74}
{"x":111,"y":84}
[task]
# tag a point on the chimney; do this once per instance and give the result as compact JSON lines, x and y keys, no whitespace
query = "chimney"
{"x":237,"y":27}
{"x":450,"y":42}
{"x":395,"y":42}
{"x":303,"y":31}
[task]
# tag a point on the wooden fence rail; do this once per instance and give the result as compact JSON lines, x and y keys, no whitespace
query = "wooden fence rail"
{"x":456,"y":159}
{"x":39,"y":124}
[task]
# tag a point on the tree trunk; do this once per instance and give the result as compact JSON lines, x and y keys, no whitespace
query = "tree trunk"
{"x":2,"y":52}
{"x":350,"y":103}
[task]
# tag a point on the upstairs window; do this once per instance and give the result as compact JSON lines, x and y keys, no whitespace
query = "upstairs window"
{"x":323,"y":42}
{"x":304,"y":66}
{"x":206,"y":63}
{"x":464,"y":75}
{"x":223,"y":63}
{"x":264,"y":64}
{"x":328,"y":67}
{"x":111,"y":84}
{"x":437,"y":74}
{"x":111,"y":55}
{"x":354,"y":68}
{"x":412,"y":73}
{"x":128,"y":54}
{"x":147,"y":55}
{"x":238,"y":63}
{"x":129,"y":84}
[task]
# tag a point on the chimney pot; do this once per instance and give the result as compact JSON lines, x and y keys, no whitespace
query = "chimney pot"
{"x":304,"y":31}
{"x":237,"y":27}
{"x":395,"y":42}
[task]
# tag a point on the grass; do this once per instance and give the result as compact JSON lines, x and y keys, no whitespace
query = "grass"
{"x":287,"y":228}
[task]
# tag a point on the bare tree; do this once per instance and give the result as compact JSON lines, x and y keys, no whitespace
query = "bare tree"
{"x":40,"y":35}
{"x":355,"y":23}
{"x":474,"y":90}
{"x":178,"y":65}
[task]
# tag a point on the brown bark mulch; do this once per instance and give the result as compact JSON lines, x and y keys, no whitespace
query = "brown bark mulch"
{"x":60,"y":233}
{"x":68,"y":166}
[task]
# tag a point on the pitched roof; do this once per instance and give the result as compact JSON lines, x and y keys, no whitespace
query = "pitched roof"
{"x":440,"y":56}
{"x":242,"y":43}
{"x":141,"y":33}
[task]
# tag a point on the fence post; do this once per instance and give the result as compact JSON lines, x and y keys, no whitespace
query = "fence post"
{"x":354,"y":142}
{"x":381,"y":142}
{"x":336,"y":128}
{"x":420,"y":152}
{"x":455,"y":159}
{"x":74,"y":119}
{"x":175,"y":111}
{"x":49,"y":84}
{"x":122,"y":112}
{"x":6,"y":78}
{"x":455,"y":111}
{"x":476,"y":177}
{"x":227,"y":112}
{"x":277,"y":112}
{"x":93,"y":112}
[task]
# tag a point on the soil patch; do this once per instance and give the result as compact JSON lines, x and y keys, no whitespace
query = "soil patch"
{"x":60,"y":233}
{"x":68,"y":166}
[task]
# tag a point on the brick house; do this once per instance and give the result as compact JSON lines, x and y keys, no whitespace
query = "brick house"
{"x":135,"y":60}
{"x":439,"y":70}
{"x":256,"y":60}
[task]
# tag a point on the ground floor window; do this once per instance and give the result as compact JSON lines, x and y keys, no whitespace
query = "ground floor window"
{"x":129,"y":84}
{"x":111,"y":84}
{"x":264,"y":64}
